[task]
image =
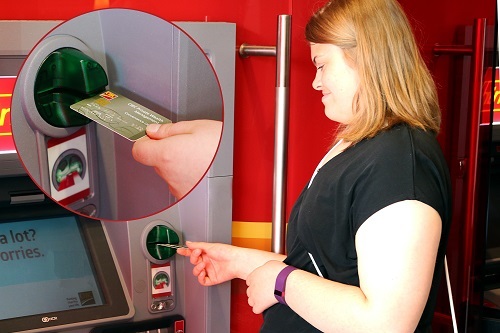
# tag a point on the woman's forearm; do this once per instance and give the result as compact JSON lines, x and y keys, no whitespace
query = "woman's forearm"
{"x":249,"y":259}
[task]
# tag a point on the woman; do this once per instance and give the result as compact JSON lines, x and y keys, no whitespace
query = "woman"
{"x":367,"y":236}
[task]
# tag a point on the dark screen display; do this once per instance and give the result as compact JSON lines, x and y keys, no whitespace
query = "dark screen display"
{"x":45,"y":267}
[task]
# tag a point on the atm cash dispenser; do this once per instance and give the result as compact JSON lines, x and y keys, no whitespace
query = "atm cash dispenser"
{"x":80,"y":164}
{"x":104,"y":276}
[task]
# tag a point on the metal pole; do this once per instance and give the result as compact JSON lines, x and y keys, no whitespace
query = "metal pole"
{"x":476,"y":83}
{"x":452,"y":50}
{"x":282,"y":53}
{"x":281,"y":132}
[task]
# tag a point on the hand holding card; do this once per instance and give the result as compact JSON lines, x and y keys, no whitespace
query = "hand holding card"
{"x":119,"y":114}
{"x":181,"y":153}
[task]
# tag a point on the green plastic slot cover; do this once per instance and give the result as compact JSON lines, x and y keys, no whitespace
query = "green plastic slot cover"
{"x":65,"y":77}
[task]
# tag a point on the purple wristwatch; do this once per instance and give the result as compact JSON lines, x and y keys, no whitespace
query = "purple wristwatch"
{"x":279,"y":287}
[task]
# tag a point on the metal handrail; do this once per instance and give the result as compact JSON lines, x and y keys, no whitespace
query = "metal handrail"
{"x":282,"y":53}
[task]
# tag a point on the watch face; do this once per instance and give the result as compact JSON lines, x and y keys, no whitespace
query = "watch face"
{"x":280,"y":296}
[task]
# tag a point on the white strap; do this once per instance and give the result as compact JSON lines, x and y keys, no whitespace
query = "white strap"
{"x":314,"y":263}
{"x":323,"y":161}
{"x":450,"y":296}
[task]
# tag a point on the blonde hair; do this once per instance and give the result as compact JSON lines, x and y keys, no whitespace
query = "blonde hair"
{"x":395,"y":84}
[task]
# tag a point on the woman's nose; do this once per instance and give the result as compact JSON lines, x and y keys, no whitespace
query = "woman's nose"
{"x":316,"y":84}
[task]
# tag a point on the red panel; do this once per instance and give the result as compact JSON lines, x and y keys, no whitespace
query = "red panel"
{"x":43,"y":9}
{"x":6,"y":87}
{"x":488,"y":88}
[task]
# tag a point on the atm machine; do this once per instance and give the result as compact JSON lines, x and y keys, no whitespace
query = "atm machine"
{"x":92,"y":268}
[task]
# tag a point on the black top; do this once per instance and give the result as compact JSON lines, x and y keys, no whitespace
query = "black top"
{"x":402,"y":163}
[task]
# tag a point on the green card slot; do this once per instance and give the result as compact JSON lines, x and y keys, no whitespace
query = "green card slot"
{"x":65,"y":77}
{"x":161,"y":234}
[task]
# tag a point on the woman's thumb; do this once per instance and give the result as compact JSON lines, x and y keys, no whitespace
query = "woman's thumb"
{"x":157,"y":131}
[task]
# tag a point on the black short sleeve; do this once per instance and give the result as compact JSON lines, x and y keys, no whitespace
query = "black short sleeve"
{"x":402,"y":163}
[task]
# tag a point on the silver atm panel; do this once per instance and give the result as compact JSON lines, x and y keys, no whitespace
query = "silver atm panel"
{"x":204,"y":215}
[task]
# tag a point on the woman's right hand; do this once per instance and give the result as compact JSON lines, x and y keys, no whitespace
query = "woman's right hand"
{"x":214,"y":263}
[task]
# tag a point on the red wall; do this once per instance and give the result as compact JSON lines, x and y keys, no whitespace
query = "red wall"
{"x":310,"y":132}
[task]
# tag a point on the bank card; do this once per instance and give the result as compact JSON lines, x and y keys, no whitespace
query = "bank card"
{"x":119,"y":114}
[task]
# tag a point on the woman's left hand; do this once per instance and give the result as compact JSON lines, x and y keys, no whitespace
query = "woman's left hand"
{"x":261,"y":284}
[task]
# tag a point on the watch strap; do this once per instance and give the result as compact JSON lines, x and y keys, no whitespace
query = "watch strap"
{"x":279,"y":287}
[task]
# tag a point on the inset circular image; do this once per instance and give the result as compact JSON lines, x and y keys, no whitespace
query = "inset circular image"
{"x":123,"y":118}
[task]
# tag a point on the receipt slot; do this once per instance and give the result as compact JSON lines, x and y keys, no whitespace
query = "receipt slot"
{"x":79,"y":163}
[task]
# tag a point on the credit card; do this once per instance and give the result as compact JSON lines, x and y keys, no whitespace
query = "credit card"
{"x":119,"y":114}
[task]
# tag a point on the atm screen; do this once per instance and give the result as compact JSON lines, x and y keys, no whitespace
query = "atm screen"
{"x":57,"y":271}
{"x":45,"y":268}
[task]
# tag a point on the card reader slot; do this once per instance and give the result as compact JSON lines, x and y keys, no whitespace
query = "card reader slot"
{"x":65,"y":77}
{"x":75,"y":94}
{"x":157,"y":237}
{"x":25,"y":197}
